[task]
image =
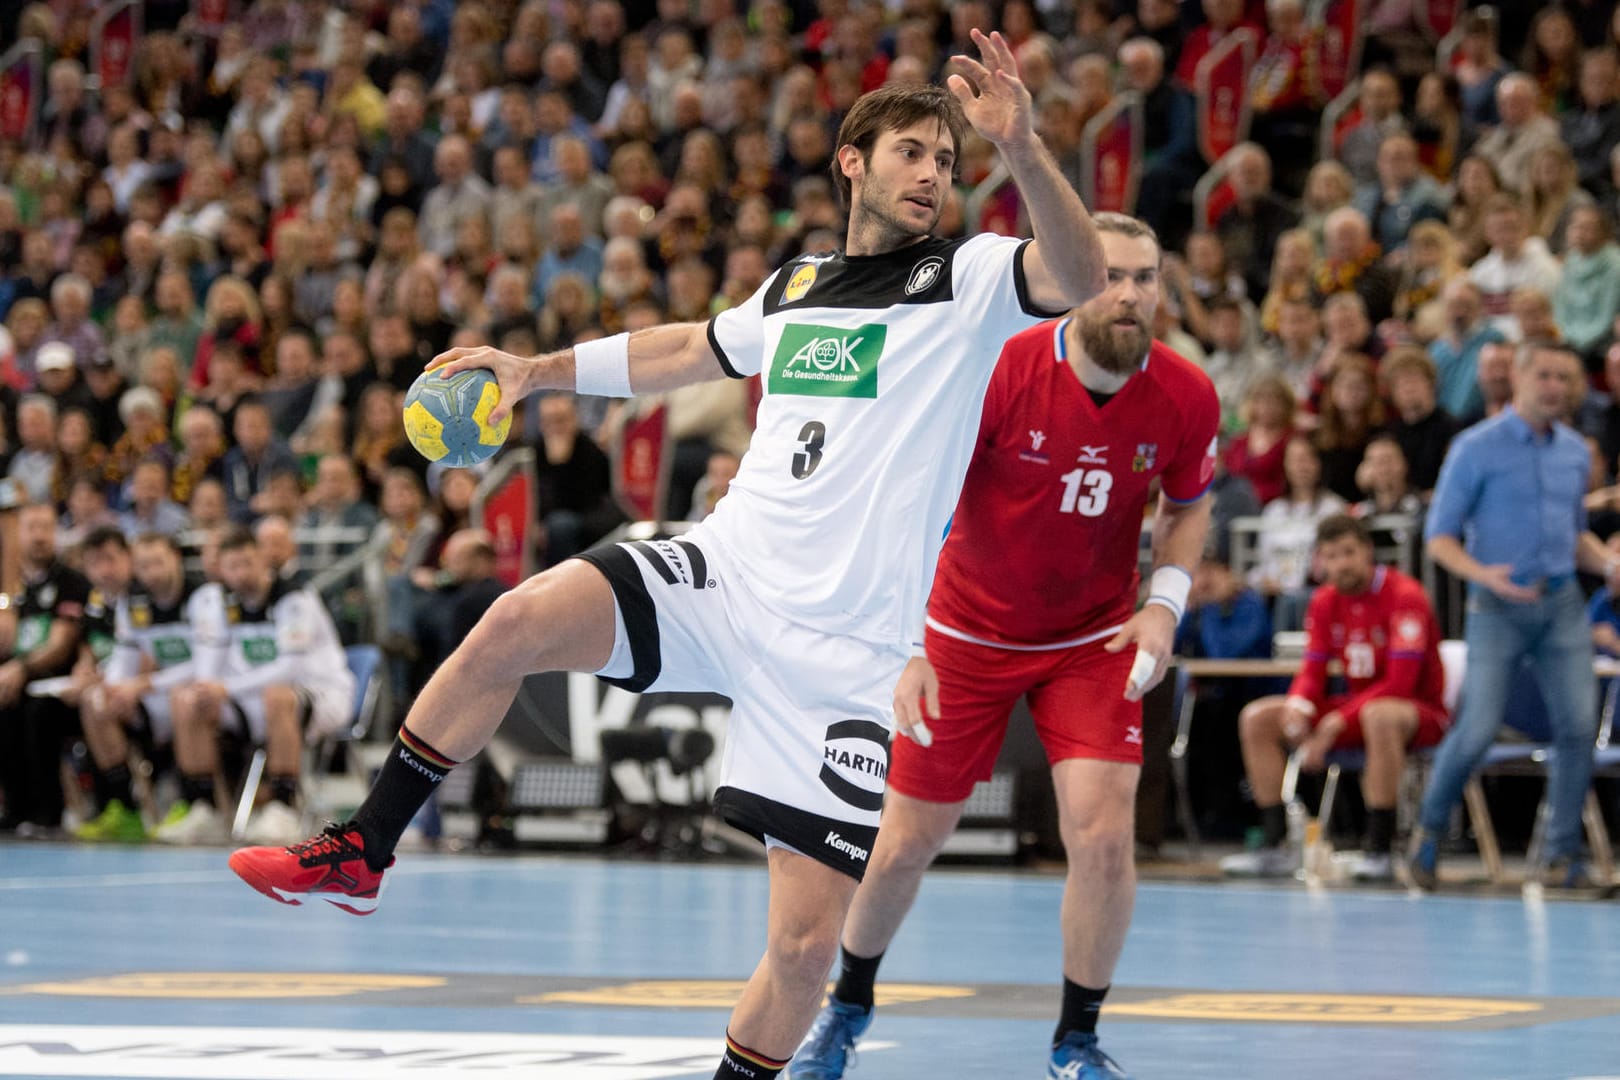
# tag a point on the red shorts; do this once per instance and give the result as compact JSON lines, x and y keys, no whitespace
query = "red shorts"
{"x":1077,"y":696}
{"x":1432,"y":724}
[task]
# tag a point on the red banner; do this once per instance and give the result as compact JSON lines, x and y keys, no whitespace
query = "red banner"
{"x":507,"y":514}
{"x":1111,"y":156}
{"x":112,"y":42}
{"x":1438,"y":17}
{"x":1222,"y":89}
{"x":21,"y":71}
{"x":1339,"y":26}
{"x":641,"y":464}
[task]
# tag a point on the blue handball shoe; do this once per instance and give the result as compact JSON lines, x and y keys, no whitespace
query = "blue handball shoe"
{"x":827,"y":1050}
{"x":1078,"y":1057}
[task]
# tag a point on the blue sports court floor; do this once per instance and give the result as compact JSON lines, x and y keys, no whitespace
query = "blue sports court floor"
{"x":159,"y":964}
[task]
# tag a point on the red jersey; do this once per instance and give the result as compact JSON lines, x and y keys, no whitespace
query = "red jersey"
{"x":1043,"y":548}
{"x":1387,"y":638}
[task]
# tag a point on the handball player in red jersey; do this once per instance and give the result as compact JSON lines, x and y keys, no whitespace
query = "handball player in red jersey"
{"x":1036,"y":596}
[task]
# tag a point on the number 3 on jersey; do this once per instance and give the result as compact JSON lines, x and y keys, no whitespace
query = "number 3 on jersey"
{"x":812,"y":437}
{"x":1094,"y":499}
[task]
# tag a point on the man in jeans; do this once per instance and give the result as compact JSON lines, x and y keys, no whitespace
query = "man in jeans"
{"x":1507,"y":518}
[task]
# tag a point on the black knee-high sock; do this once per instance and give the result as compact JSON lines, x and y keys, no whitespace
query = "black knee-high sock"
{"x":114,"y":783}
{"x":197,"y":789}
{"x":741,"y":1063}
{"x":1274,"y":823}
{"x":1081,"y":1004}
{"x":1380,"y":830}
{"x":408,"y":778}
{"x":856,"y":976}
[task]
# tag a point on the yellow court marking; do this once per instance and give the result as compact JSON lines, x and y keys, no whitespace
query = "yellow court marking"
{"x":716,"y":994}
{"x":1322,"y":1008}
{"x":230,"y":984}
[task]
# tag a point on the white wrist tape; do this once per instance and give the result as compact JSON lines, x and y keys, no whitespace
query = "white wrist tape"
{"x":1169,"y":588}
{"x":602,"y":367}
{"x":1142,"y":669}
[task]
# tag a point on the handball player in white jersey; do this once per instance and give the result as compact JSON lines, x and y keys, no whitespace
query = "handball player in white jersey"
{"x":797,"y":597}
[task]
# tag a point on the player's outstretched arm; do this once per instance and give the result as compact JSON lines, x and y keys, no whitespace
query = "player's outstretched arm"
{"x":1064,"y":267}
{"x":658,"y":358}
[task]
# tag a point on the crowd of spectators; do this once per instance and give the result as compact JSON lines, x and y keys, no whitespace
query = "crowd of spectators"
{"x":218,"y":279}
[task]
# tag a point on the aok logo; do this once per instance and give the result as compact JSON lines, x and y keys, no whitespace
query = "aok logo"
{"x":855,"y":762}
{"x":827,"y":361}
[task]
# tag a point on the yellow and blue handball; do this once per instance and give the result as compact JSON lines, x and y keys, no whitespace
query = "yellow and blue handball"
{"x":447,"y":420}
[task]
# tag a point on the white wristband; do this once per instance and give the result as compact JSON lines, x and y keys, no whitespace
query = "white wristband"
{"x":602,"y":367}
{"x":1169,"y":588}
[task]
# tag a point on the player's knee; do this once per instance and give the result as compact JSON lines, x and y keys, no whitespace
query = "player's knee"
{"x":1384,"y":718}
{"x":280,"y":699}
{"x":804,"y":953}
{"x":1255,"y":721}
{"x":1105,"y":843}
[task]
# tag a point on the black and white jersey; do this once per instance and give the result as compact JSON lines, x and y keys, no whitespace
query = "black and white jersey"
{"x":874,"y":371}
{"x":290,"y":641}
{"x":151,"y":635}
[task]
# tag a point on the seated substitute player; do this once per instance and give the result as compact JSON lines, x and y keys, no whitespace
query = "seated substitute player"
{"x":1378,"y":622}
{"x":796,"y":596}
{"x":40,"y":631}
{"x":269,"y":654}
{"x":152,"y":656}
{"x":1035,"y":597}
{"x":107,"y":567}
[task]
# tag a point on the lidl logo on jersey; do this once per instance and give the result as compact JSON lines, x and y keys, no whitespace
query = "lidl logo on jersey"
{"x":827,"y":361}
{"x":799,"y":283}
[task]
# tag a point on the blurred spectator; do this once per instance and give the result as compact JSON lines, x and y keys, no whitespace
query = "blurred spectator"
{"x":717,"y":478}
{"x":1419,"y":426}
{"x":570,"y":251}
{"x":1588,"y":293}
{"x":1456,"y":352}
{"x":573,"y":478}
{"x":460,"y":194}
{"x":1532,"y":312}
{"x":462,"y":591}
{"x":26,"y":322}
{"x":1298,"y":347}
{"x":1477,"y":184}
{"x":87,"y":511}
{"x":70,"y":306}
{"x":1525,"y":129}
{"x":289,"y":394}
{"x":1284,"y":91}
{"x":34,"y":463}
{"x":1382,"y":478}
{"x":208,"y":508}
{"x":579,"y":184}
{"x":274,"y":535}
{"x":231,"y":315}
{"x":1402,"y":195}
{"x":59,"y":379}
{"x":150,"y":508}
{"x":1515,"y":259}
{"x":1437,"y":123}
{"x":1256,"y":452}
{"x":1380,"y":103}
{"x":145,"y":436}
{"x":1351,"y":412}
{"x":257,"y":456}
{"x":1235,"y":360}
{"x":1479,"y":68}
{"x":202,"y":451}
{"x":1430,"y":264}
{"x":335,"y":503}
{"x":1494,"y":381}
{"x":1250,"y":227}
{"x":380,"y":445}
{"x":1351,"y":263}
{"x":1283,"y":568}
{"x":1591,"y":127}
{"x":1552,"y":195}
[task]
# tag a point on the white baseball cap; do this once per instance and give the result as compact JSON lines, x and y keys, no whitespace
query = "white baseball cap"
{"x":55,"y":356}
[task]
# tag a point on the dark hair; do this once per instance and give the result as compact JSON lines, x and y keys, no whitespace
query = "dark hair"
{"x":237,"y":538}
{"x":1338,"y":526}
{"x":894,"y":108}
{"x":103,"y":535}
{"x":166,"y":539}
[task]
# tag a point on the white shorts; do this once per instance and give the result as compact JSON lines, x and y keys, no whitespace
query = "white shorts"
{"x":318,"y":711}
{"x":158,"y":718}
{"x":808,"y":750}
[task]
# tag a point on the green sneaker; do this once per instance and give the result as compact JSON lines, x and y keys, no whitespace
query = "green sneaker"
{"x":116,"y":824}
{"x":177,"y":813}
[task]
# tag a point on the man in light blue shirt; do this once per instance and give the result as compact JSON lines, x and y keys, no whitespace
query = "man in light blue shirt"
{"x":1507,"y":518}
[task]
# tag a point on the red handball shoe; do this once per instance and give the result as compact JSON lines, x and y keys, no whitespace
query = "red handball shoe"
{"x":329,"y":866}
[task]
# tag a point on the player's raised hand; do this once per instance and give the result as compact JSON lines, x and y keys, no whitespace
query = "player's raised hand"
{"x":1153,"y":631}
{"x":511,"y":373}
{"x":994,"y":98}
{"x":915,"y":694}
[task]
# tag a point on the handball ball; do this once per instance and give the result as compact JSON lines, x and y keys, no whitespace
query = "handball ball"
{"x":447,"y":420}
